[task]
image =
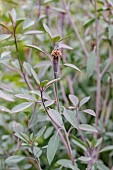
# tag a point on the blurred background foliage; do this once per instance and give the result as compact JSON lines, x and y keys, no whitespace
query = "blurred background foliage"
{"x":31,"y":14}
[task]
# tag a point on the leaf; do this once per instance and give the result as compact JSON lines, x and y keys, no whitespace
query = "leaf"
{"x":47,"y":103}
{"x":55,"y":39}
{"x":17,"y":127}
{"x":91,"y":64}
{"x":107,"y":148}
{"x":33,"y":32}
{"x":101,"y":166}
{"x":98,"y":142}
{"x":79,"y":143}
{"x":89,"y":111}
{"x":84,"y":159}
{"x":35,"y":76}
{"x":58,"y":9}
{"x":27,"y":68}
{"x":74,"y":99}
{"x":48,"y":31}
{"x":14,"y":159}
{"x":71,"y":117}
{"x":5,"y":54}
{"x":88,"y":23}
{"x":64,"y":162}
{"x":84,"y":100}
{"x":48,"y":132}
{"x":35,"y":47}
{"x":19,"y":21}
{"x":73,"y":167}
{"x":72,"y":66}
{"x":52,"y":147}
{"x":88,"y":128}
{"x":4,"y":25}
{"x":40,"y":133}
{"x":51,"y":82}
{"x":43,"y":83}
{"x":56,"y":117}
{"x":26,"y":96}
{"x":65,"y":46}
{"x":6,"y":96}
{"x":4,"y":109}
{"x":28,"y":23}
{"x":21,"y":107}
{"x":22,"y":136}
{"x":13,"y":15}
{"x":4,"y":36}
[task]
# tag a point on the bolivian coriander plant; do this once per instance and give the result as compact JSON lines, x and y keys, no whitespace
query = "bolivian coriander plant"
{"x":56,"y":85}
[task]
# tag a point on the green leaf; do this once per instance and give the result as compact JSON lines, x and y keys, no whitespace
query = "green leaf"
{"x":74,"y":99}
{"x":84,"y":159}
{"x":40,"y":133}
{"x":73,"y":167}
{"x":27,"y":68}
{"x":28,"y":23}
{"x":14,"y":159}
{"x":51,"y":82}
{"x":88,"y":23}
{"x":4,"y":25}
{"x":35,"y":47}
{"x":98,"y":142}
{"x":56,"y":117}
{"x":83,"y":101}
{"x":107,"y":148}
{"x":89,"y":111}
{"x":33,"y":32}
{"x":17,"y":127}
{"x":88,"y":128}
{"x":52,"y":147}
{"x":55,"y":39}
{"x":43,"y":83}
{"x":110,"y":31}
{"x":71,"y":117}
{"x":4,"y":36}
{"x":19,"y":21}
{"x":21,"y":107}
{"x":72,"y":66}
{"x":22,"y":136}
{"x":79,"y":143}
{"x":91,"y":64}
{"x":35,"y":76}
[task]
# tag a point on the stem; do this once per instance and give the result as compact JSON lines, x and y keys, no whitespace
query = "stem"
{"x":36,"y":159}
{"x":56,"y":92}
{"x":20,"y":63}
{"x":98,"y":94}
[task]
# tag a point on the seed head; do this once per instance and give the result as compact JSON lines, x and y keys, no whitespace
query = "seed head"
{"x":56,"y":53}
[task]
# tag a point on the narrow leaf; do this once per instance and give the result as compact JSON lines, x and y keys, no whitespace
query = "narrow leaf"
{"x":84,"y":159}
{"x":4,"y":36}
{"x":107,"y":148}
{"x":84,"y":100}
{"x":88,"y":128}
{"x":14,"y":159}
{"x":51,"y":82}
{"x":74,"y":99}
{"x":35,"y":47}
{"x":71,"y":117}
{"x":52,"y":147}
{"x":35,"y":76}
{"x":72,"y":66}
{"x":89,"y":111}
{"x":21,"y":107}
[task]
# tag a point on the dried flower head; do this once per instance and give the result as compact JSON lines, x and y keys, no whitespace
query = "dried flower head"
{"x":56,"y":53}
